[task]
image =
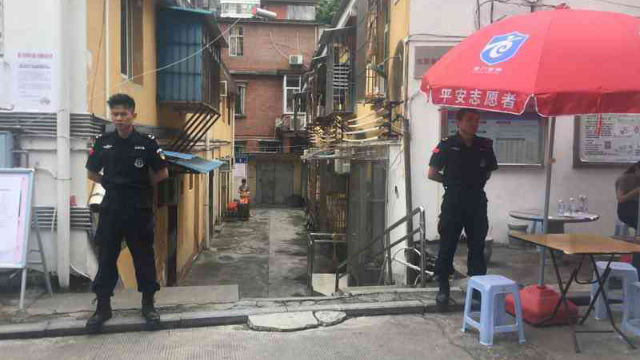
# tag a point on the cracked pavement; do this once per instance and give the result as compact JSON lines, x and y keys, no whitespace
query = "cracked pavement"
{"x":430,"y":336}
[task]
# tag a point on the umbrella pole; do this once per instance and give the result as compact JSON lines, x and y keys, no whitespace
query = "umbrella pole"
{"x":547,"y":195}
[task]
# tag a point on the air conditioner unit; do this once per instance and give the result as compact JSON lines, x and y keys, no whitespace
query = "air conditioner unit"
{"x":223,"y":88}
{"x":295,"y":59}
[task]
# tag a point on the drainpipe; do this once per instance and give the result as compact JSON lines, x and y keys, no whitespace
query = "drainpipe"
{"x":107,"y":63}
{"x":63,"y":153}
{"x":207,"y":220}
{"x":406,"y":142}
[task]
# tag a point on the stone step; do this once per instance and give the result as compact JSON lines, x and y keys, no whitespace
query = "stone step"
{"x":130,"y":299}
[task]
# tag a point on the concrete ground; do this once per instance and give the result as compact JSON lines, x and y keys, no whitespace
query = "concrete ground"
{"x":429,"y":336}
{"x":522,"y":266}
{"x":265,"y":256}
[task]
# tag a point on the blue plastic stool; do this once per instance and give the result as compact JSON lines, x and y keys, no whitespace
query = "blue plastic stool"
{"x":621,"y":271}
{"x":493,"y":317}
{"x":631,"y":317}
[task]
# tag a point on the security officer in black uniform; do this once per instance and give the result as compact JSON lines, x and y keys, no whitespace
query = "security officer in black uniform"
{"x":132,"y":163}
{"x":463,"y":163}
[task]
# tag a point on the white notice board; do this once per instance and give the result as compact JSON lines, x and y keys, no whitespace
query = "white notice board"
{"x":16,"y":189}
{"x":614,"y":139}
{"x":517,"y":139}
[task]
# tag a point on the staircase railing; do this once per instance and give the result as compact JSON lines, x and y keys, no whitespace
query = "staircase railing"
{"x":388,"y":245}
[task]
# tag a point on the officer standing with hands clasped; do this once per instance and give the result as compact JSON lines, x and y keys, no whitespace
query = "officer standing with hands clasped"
{"x":462,"y":163}
{"x":131,"y":164}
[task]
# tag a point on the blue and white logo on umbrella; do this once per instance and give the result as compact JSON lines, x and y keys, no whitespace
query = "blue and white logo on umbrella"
{"x":502,"y":47}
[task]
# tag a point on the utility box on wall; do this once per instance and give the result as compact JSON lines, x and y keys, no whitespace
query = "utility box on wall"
{"x":6,"y":149}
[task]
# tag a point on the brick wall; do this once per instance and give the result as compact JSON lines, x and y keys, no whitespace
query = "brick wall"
{"x":267,"y":46}
{"x":263,"y":104}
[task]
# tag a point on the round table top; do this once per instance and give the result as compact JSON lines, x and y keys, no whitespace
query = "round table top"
{"x":538,"y":215}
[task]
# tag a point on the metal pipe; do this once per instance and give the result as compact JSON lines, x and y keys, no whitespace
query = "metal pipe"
{"x":545,"y":221}
{"x":406,"y":143}
{"x":107,"y":63}
{"x":63,"y":150}
{"x":207,"y":220}
{"x":423,"y":245}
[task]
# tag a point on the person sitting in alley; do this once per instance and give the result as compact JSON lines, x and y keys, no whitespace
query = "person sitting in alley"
{"x":131,"y":164}
{"x":462,"y":163}
{"x":627,"y":193}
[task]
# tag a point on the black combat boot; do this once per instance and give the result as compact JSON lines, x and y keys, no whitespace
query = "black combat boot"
{"x":102,"y":314}
{"x":442,"y":299}
{"x":149,"y":311}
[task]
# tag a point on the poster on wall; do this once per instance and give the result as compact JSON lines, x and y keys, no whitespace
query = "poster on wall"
{"x":32,"y":76}
{"x":517,"y":139}
{"x":612,"y":139}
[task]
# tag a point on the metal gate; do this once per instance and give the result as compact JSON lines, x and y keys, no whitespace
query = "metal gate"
{"x":274,"y":183}
{"x":366,"y":219}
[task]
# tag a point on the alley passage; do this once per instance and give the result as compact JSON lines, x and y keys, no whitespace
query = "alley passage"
{"x":265,"y":256}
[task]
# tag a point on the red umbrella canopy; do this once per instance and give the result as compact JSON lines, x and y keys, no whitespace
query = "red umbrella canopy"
{"x":569,"y":61}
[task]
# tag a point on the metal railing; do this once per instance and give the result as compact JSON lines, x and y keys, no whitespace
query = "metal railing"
{"x":321,"y":238}
{"x":388,"y":245}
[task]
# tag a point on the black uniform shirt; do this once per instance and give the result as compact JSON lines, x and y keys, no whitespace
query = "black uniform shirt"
{"x":464,"y":166}
{"x":125,"y":164}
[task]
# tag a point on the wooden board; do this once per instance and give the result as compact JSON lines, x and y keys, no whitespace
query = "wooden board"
{"x":577,"y":243}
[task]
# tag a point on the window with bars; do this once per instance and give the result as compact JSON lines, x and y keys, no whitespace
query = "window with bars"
{"x":291,"y":86}
{"x":238,"y":8}
{"x":239,"y":148}
{"x":270,"y":146}
{"x":301,"y":12}
{"x":236,"y":41}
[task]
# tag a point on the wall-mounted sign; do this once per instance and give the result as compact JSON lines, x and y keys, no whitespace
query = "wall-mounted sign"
{"x":609,"y":140}
{"x":425,"y":57}
{"x":517,"y":139}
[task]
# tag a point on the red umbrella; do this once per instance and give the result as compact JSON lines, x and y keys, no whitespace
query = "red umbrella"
{"x":568,"y":61}
{"x":560,"y":62}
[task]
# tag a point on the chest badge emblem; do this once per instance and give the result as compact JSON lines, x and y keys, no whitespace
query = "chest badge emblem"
{"x":139,"y":163}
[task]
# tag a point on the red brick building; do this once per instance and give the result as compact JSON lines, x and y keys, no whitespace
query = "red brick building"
{"x":267,"y":59}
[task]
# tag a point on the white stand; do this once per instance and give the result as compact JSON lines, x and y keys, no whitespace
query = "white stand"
{"x":43,"y":262}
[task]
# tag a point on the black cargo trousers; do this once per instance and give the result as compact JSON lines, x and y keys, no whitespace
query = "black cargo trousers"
{"x":135,"y":225}
{"x":462,"y":208}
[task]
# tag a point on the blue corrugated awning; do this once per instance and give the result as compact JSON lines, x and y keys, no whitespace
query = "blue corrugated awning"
{"x":192,"y":162}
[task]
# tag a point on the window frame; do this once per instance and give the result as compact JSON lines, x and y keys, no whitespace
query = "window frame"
{"x":132,"y":40}
{"x":241,"y":8}
{"x":236,"y":41}
{"x":240,"y":144}
{"x":241,"y":101}
{"x":126,"y":62}
{"x":268,"y":146}
{"x":293,"y":10}
{"x":284,"y":93}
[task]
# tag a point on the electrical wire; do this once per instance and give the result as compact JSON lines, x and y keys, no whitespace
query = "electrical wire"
{"x":611,"y":2}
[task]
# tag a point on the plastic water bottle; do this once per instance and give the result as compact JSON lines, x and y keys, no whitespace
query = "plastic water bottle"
{"x":584,"y":208}
{"x":561,"y":208}
{"x":572,"y":206}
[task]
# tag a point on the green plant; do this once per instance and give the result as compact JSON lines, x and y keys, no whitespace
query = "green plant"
{"x":325,"y":10}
